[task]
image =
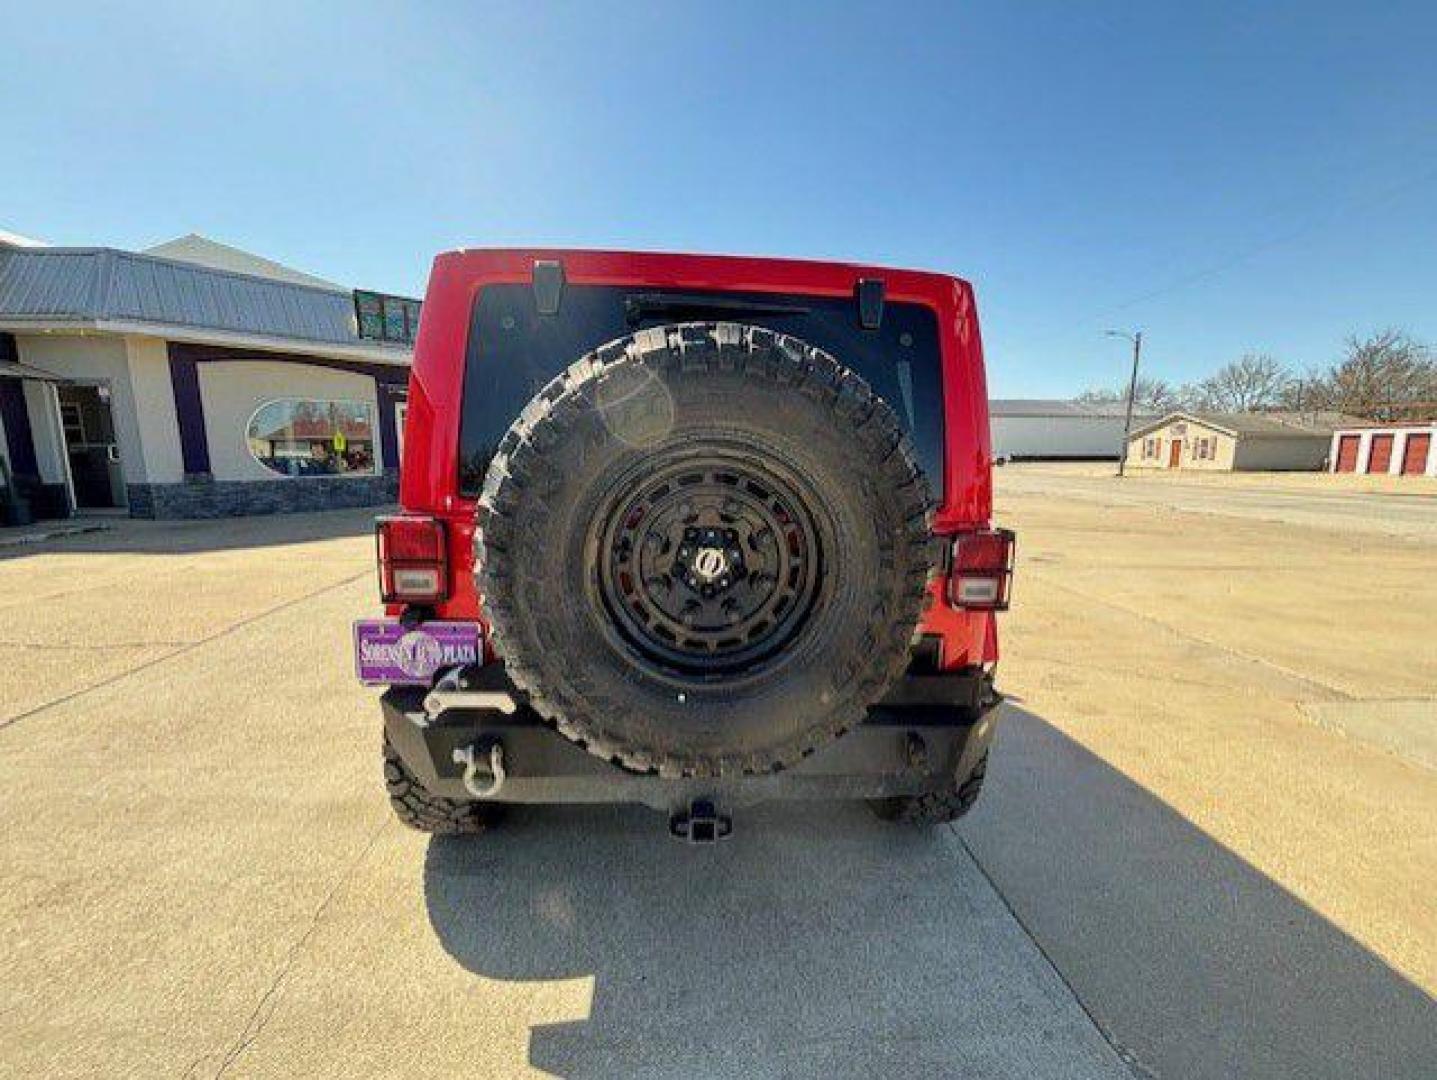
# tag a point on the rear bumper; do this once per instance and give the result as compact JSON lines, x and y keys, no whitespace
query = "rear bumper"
{"x":929,"y":729}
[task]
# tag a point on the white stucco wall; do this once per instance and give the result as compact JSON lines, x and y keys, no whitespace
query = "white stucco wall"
{"x":154,"y":401}
{"x":93,"y":358}
{"x":1056,"y":436}
{"x":232,"y":390}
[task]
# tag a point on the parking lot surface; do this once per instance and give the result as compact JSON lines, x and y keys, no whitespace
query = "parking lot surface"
{"x":203,"y":877}
{"x":1214,"y":810}
{"x":1206,"y":847}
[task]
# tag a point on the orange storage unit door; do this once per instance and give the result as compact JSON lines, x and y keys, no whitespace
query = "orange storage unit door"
{"x":1381,"y":456}
{"x":1347,"y":453}
{"x":1414,"y":458}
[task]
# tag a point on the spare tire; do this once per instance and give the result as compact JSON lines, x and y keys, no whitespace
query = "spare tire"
{"x":704,"y":549}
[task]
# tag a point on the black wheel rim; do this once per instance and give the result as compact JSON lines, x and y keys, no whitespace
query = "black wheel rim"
{"x":709,"y":565}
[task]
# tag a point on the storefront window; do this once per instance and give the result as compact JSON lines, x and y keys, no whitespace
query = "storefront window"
{"x":382,"y":317}
{"x":296,"y":437}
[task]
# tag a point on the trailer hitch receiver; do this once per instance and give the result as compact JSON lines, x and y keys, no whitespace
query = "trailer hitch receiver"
{"x":701,"y":824}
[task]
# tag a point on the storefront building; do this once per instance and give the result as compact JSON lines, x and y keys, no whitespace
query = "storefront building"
{"x":202,"y":382}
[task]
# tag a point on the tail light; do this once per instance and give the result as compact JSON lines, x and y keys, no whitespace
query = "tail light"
{"x":981,"y":574}
{"x":413,"y":560}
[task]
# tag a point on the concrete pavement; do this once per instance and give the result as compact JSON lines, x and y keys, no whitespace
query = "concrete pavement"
{"x":1231,"y":870}
{"x":1189,"y":852}
{"x":203,"y":879}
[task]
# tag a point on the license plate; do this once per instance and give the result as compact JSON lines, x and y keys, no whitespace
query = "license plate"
{"x":388,"y":652}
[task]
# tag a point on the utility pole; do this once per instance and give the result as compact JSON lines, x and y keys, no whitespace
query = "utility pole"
{"x":1137,"y":340}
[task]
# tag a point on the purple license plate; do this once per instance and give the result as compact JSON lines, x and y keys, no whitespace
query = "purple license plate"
{"x":386,"y":652}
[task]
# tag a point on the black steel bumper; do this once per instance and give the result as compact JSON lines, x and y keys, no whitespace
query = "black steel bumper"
{"x":930,"y":729}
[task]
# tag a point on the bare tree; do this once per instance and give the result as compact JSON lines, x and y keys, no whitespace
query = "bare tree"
{"x":1253,"y":382}
{"x":1193,"y":396}
{"x":1308,"y":392}
{"x":1389,"y":375}
{"x":1150,"y":395}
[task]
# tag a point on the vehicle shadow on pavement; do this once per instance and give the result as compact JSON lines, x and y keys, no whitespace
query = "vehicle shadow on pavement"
{"x":818,"y":941}
{"x":821,"y":942}
{"x":1191,"y":958}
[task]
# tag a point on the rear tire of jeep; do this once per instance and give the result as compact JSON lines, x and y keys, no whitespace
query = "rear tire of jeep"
{"x":704,"y":549}
{"x":935,"y":807}
{"x":420,"y":809}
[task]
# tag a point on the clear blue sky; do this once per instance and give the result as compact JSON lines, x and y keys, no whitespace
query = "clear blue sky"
{"x":1259,"y":177}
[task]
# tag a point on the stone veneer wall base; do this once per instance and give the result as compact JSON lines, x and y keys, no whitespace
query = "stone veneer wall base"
{"x":202,"y":497}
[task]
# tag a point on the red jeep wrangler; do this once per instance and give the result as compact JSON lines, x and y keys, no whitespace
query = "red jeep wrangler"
{"x":689,"y":531}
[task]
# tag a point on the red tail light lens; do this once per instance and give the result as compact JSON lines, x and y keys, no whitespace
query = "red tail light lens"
{"x":981,"y":576}
{"x":413,"y":560}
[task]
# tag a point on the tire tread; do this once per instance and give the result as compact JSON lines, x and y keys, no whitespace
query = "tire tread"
{"x":680,"y":350}
{"x":420,"y":809}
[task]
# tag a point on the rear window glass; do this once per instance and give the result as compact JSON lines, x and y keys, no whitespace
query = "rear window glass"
{"x":513,"y":352}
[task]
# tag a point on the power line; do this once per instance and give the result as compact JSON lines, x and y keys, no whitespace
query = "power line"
{"x":1277,"y":241}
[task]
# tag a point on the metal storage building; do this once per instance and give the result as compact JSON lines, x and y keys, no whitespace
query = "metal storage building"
{"x":1036,"y":429}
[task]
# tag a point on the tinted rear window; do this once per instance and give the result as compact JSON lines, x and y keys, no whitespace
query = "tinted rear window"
{"x":514,"y":351}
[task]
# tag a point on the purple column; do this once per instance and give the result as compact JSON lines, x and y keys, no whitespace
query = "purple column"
{"x":189,"y":411}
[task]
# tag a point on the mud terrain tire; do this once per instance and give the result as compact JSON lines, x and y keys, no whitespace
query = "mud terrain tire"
{"x":935,"y":807}
{"x":418,"y":808}
{"x":703,"y":550}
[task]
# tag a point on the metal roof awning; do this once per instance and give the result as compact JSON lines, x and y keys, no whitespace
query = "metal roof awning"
{"x":69,"y":289}
{"x":10,"y":369}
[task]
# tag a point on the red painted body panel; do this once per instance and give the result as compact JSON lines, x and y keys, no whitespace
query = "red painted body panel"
{"x":429,"y":480}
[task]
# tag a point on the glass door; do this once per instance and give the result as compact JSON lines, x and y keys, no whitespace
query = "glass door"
{"x":89,"y":427}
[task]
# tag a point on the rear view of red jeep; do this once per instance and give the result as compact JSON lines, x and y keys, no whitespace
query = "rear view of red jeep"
{"x":693,"y":532}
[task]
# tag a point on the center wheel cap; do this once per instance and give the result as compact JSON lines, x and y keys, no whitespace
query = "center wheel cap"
{"x":710,"y":563}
